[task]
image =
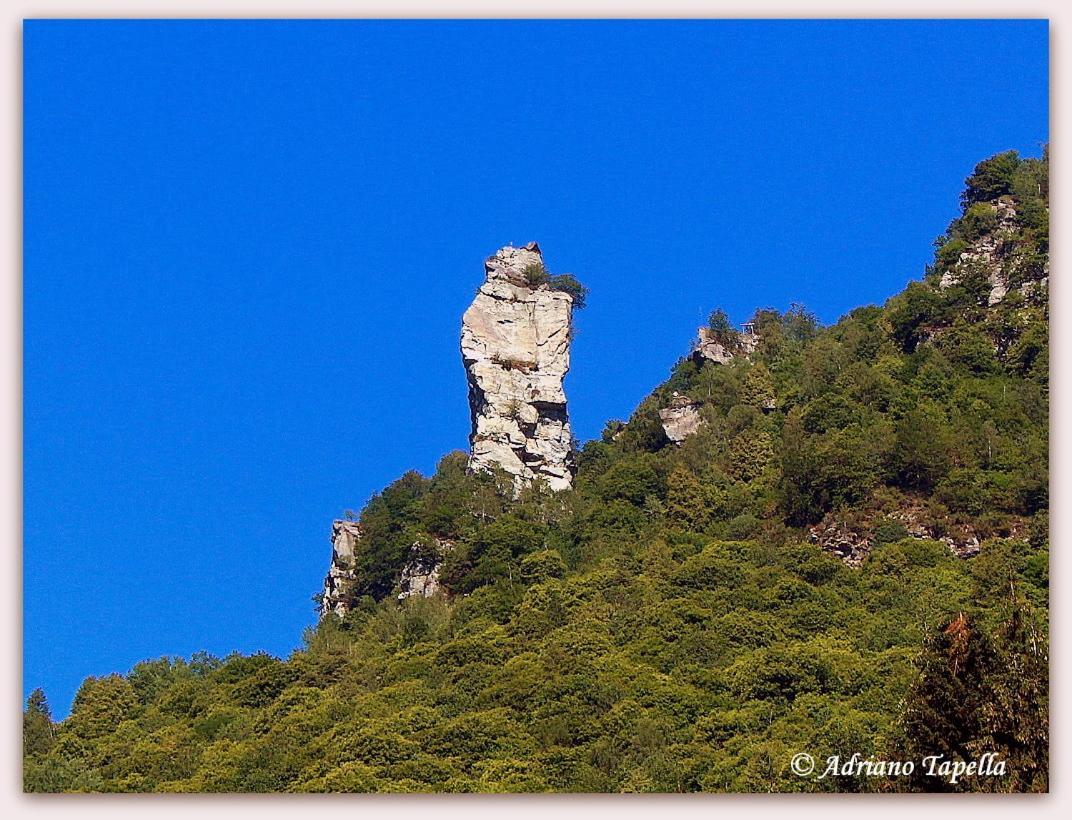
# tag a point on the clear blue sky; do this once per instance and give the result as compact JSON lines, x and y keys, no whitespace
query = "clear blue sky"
{"x":248,"y":246}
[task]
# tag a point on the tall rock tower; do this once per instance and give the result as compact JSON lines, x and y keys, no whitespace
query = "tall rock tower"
{"x":515,"y":345}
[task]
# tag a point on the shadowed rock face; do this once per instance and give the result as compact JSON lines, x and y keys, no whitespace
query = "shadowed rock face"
{"x":515,"y":347}
{"x":345,"y":536}
{"x":420,"y":575}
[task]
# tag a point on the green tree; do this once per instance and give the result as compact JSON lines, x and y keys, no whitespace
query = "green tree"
{"x":541,"y":566}
{"x":920,"y":457}
{"x":100,"y":705}
{"x":722,"y":330}
{"x":568,"y":283}
{"x":991,"y":178}
{"x":758,"y":388}
{"x":37,"y":730}
{"x":911,"y":312}
{"x":535,"y":275}
{"x":978,"y":693}
{"x":686,"y":505}
{"x":798,"y":483}
{"x":750,"y":452}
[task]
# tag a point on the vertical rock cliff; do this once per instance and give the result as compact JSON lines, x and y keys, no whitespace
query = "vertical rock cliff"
{"x":345,"y":536}
{"x":515,"y":347}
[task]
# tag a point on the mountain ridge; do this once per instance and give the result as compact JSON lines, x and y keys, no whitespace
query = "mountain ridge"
{"x":779,"y":574}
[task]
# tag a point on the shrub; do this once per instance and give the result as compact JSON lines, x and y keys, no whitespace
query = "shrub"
{"x":569,"y":284}
{"x":541,"y":566}
{"x":535,"y":275}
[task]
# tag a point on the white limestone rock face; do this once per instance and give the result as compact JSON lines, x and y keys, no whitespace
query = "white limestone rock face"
{"x":345,"y":537}
{"x":515,"y":347}
{"x":681,"y":419}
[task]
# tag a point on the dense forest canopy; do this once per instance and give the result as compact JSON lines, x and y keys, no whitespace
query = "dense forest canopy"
{"x":676,"y":621}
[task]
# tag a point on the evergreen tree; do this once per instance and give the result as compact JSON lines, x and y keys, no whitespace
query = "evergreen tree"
{"x":750,"y":452}
{"x":991,"y":178}
{"x":686,"y":505}
{"x":722,"y":330}
{"x":37,"y":729}
{"x":758,"y":388}
{"x":978,"y":693}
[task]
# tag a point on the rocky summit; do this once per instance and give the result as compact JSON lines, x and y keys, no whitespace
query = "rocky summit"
{"x":516,"y":349}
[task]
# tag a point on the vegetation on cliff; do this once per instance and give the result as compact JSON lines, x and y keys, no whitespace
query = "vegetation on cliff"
{"x":671,"y":623}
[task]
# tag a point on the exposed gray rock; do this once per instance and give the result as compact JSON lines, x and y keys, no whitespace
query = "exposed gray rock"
{"x":841,"y":541}
{"x":968,"y":548}
{"x":1037,"y":291}
{"x":709,"y":348}
{"x":853,"y":544}
{"x":515,"y":347}
{"x":681,"y":419}
{"x":420,"y":576}
{"x":345,"y":536}
{"x":990,"y":254}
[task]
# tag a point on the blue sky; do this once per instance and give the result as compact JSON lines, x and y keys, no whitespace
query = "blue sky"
{"x":248,"y":246}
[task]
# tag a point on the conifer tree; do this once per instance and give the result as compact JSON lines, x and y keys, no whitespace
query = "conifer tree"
{"x":37,"y":730}
{"x":686,"y":504}
{"x":759,"y":388}
{"x":979,"y":693}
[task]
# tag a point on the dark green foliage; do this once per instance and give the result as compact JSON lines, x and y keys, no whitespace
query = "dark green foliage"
{"x":100,"y":705}
{"x":958,"y":317}
{"x":909,"y":312}
{"x":667,"y":624}
{"x":37,"y":730}
{"x":542,"y":566}
{"x":536,"y":275}
{"x":568,"y":283}
{"x":758,"y":389}
{"x":890,"y":532}
{"x":979,"y":692}
{"x":722,"y":330}
{"x":991,"y":178}
{"x":920,"y":456}
{"x":387,"y":523}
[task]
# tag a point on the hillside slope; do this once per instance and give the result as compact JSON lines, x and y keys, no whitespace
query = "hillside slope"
{"x":845,"y":552}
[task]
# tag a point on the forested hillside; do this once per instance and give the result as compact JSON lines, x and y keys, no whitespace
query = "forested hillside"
{"x":850,"y":555}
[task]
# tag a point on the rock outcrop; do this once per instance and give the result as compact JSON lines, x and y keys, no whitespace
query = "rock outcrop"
{"x":420,"y":575}
{"x":345,"y":537}
{"x":852,"y":543}
{"x":681,"y":419}
{"x":515,"y":347}
{"x":708,"y":347}
{"x":841,"y":541}
{"x":993,"y":254}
